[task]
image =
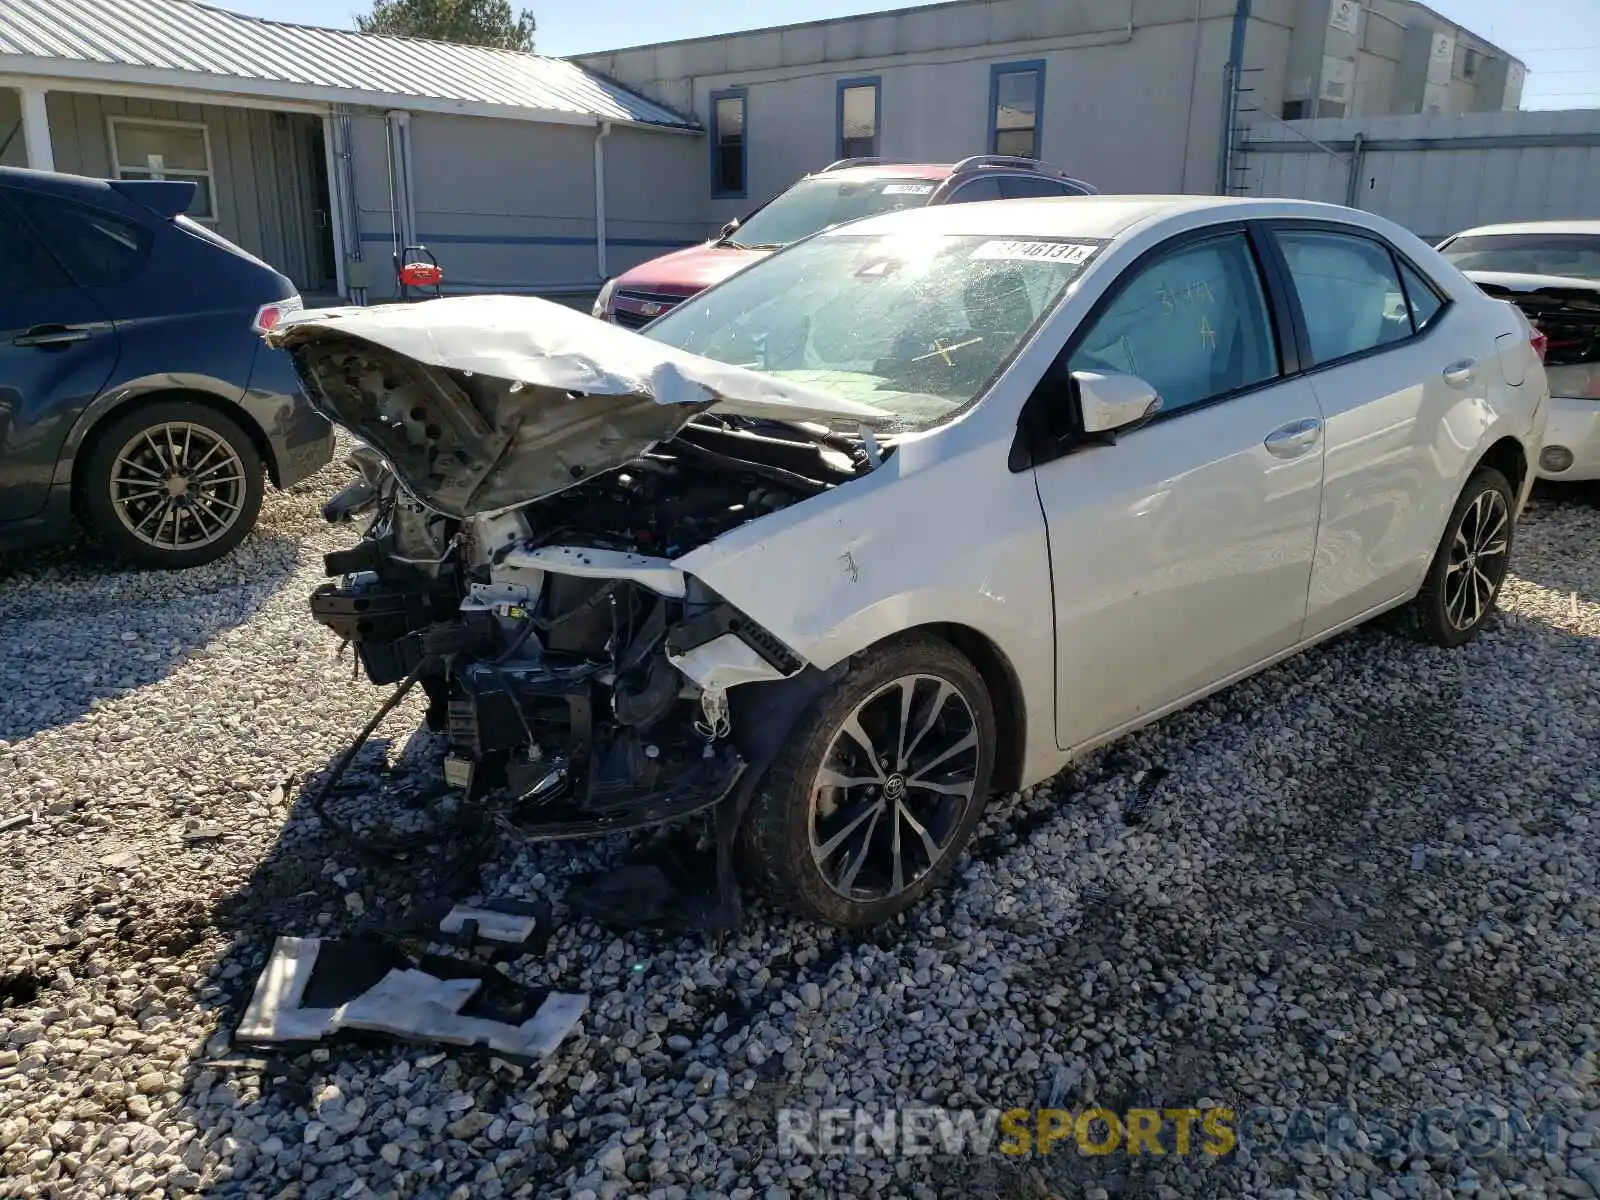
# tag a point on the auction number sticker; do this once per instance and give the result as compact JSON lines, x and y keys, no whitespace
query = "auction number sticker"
{"x":907,"y":189}
{"x":1014,"y":251}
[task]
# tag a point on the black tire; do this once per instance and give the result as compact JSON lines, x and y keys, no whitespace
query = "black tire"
{"x":205,"y":523}
{"x":776,"y":846}
{"x":1438,"y":615}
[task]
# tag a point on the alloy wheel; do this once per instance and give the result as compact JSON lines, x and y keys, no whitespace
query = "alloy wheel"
{"x":895,"y":783}
{"x":1477,"y":559}
{"x":177,"y":486}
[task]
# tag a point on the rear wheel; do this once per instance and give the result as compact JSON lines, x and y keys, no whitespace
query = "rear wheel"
{"x":172,"y":484}
{"x":879,"y":788}
{"x":1470,"y":564}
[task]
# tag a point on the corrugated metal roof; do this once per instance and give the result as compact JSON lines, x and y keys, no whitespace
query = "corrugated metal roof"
{"x":179,"y":35}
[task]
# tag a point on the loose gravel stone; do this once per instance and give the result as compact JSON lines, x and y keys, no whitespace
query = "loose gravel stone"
{"x":1367,"y":880}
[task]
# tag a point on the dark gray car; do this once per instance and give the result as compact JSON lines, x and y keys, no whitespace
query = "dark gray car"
{"x":135,"y":390}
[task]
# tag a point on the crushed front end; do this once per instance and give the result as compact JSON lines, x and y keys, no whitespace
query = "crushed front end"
{"x":571,"y":666}
{"x":568,"y":663}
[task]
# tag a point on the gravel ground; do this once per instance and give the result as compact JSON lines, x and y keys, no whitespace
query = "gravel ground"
{"x":1366,"y":881}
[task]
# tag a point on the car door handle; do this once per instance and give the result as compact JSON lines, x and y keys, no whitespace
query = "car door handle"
{"x":46,"y":336}
{"x":1458,"y":374}
{"x":1294,"y":439}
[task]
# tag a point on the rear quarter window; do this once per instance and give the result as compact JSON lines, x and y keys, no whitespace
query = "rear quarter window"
{"x":98,"y":248}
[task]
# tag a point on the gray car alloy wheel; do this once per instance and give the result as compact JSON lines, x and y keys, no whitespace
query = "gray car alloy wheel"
{"x":898,"y":777}
{"x":1477,"y":559}
{"x":177,"y":486}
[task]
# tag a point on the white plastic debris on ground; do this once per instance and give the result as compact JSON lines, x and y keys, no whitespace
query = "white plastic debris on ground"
{"x":408,"y":1004}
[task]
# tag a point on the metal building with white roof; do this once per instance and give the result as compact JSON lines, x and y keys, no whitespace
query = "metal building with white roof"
{"x":324,"y":150}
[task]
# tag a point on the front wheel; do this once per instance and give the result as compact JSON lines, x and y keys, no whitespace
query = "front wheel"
{"x":879,"y":788}
{"x":172,"y":484}
{"x":1470,"y":564}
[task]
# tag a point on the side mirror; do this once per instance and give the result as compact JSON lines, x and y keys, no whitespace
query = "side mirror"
{"x":731,"y":227}
{"x":1112,"y":402}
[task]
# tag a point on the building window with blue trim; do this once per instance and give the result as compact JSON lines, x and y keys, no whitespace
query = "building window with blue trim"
{"x":729,"y":159}
{"x":860,"y":106}
{"x":1016,"y":108}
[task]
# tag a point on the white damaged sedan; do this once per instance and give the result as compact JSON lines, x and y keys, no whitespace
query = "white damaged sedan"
{"x":913,"y":511}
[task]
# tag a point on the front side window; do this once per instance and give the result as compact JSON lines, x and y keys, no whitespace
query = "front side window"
{"x":1575,"y":255}
{"x":1193,"y":324}
{"x":815,"y":204}
{"x":858,"y":118}
{"x":1016,"y":98}
{"x":728,"y":163}
{"x":97,"y":248}
{"x":142,"y":149}
{"x":1349,"y":292}
{"x":917,"y":326}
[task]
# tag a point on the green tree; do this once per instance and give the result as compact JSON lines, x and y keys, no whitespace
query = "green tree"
{"x":469,"y":22}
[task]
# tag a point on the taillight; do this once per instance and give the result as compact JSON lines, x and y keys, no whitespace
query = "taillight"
{"x":1540,"y":342}
{"x":268,"y":315}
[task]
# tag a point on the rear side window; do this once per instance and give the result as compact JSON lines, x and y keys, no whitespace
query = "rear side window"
{"x":1023,"y":187}
{"x":97,"y":248}
{"x":978,"y":189}
{"x":1349,"y":291}
{"x":24,"y":266}
{"x":1425,"y":302}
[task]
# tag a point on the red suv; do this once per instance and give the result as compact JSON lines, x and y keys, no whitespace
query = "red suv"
{"x":847,"y":190}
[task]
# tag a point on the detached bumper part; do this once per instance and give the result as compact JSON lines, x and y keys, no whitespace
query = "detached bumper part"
{"x":404,"y":1002}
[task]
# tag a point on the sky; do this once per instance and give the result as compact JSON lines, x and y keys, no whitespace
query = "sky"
{"x":1558,"y":39}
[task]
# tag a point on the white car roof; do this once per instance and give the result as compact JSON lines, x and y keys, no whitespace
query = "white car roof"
{"x":1087,"y":216}
{"x":1589,"y":227}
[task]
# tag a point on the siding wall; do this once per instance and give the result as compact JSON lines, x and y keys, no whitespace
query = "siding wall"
{"x":261,"y":164}
{"x":510,"y":205}
{"x":655,"y":195}
{"x":1132,"y":102}
{"x":375,"y":221}
{"x":1450,"y":186}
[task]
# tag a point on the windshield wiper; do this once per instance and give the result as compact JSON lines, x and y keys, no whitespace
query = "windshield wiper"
{"x":742,"y":246}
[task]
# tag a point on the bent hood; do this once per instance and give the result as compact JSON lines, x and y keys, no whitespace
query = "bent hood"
{"x":482,"y":403}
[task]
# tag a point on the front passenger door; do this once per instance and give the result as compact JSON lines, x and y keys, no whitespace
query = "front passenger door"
{"x":1182,"y":553}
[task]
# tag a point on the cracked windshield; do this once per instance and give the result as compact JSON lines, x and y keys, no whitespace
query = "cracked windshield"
{"x":915,"y":326}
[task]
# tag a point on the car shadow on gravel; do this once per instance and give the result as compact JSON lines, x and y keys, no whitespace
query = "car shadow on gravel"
{"x":1336,"y":851}
{"x":1567,"y":563}
{"x":315,"y":882}
{"x":79,"y":630}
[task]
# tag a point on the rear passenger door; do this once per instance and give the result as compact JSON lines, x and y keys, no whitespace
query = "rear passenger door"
{"x":57,"y":350}
{"x":1392,"y":365}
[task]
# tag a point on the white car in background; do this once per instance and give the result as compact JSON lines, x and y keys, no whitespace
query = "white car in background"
{"x":917,"y":509}
{"x":1550,"y":270}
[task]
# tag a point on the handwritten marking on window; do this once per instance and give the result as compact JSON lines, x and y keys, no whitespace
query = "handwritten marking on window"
{"x":1189,"y":296}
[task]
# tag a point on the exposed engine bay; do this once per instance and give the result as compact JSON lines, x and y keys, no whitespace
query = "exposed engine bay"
{"x":572,"y":667}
